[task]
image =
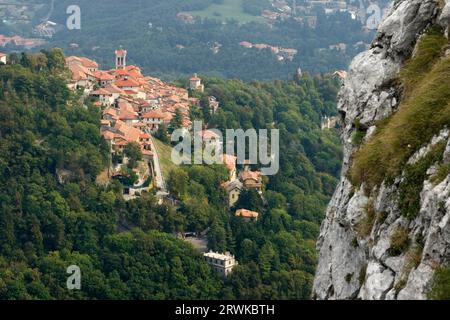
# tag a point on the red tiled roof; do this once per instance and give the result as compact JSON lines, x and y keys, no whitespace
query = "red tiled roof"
{"x":101,"y":91}
{"x":154,"y":114}
{"x":113,"y":89}
{"x":208,"y":134}
{"x":130,"y":133}
{"x":127,"y":83}
{"x":230,"y":161}
{"x":247,"y":175}
{"x":79,"y":72}
{"x":103,"y":76}
{"x":121,"y":52}
{"x":85,"y":62}
{"x":110,"y":111}
{"x":244,"y":213}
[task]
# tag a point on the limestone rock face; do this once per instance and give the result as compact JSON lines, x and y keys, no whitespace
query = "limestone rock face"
{"x":355,"y":267}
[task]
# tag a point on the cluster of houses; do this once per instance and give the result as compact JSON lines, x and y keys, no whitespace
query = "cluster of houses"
{"x":245,"y":180}
{"x":224,"y":263}
{"x":19,"y":41}
{"x":133,"y":105}
{"x":281,"y":53}
{"x":305,"y":11}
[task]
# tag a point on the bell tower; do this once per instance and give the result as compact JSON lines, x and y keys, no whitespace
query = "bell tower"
{"x":121,"y":58}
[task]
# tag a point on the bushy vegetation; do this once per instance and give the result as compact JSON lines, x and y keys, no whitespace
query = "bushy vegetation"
{"x":441,"y":285}
{"x":276,"y":254}
{"x":154,"y":47}
{"x":53,"y":214}
{"x":425,"y":111}
{"x":399,"y":241}
{"x":365,"y":226}
{"x":412,"y":184}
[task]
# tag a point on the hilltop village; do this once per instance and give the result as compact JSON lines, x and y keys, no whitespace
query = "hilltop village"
{"x":134,"y":107}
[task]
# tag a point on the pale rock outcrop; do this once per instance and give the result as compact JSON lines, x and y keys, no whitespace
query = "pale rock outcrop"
{"x":355,"y":267}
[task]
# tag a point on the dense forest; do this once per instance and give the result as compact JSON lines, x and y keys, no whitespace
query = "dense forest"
{"x":168,"y":47}
{"x":54,"y":215}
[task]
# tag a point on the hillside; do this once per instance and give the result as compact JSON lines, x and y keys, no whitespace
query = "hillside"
{"x":53,"y":214}
{"x":386,"y":235}
{"x":166,"y":45}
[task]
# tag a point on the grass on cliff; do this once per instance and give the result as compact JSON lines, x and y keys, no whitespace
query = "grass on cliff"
{"x":425,"y":110}
{"x":441,"y":285}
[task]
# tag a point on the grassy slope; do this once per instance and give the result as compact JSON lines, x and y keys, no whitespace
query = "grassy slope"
{"x":165,"y":157}
{"x":425,"y":110}
{"x":229,"y":9}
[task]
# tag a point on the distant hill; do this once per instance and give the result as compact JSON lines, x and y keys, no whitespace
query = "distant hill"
{"x":169,"y":44}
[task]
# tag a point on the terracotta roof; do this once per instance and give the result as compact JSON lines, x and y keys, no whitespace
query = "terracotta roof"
{"x":113,"y":89}
{"x":244,"y":213}
{"x":100,"y":91}
{"x":229,"y":161}
{"x":108,"y":135}
{"x":129,"y":133}
{"x":85,"y":62}
{"x":110,"y":111}
{"x":195,"y":78}
{"x":154,"y":114}
{"x":79,"y":72}
{"x":247,"y":175}
{"x":121,"y":52}
{"x":103,"y":76}
{"x":208,"y":134}
{"x":127,"y":83}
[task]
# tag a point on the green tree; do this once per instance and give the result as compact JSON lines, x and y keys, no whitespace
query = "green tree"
{"x":134,"y":154}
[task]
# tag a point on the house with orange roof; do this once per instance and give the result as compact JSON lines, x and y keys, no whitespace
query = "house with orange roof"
{"x":91,"y":65}
{"x":251,"y":179}
{"x":82,"y":77}
{"x":105,"y":97}
{"x":127,"y":114}
{"x":110,"y":114}
{"x":103,"y":78}
{"x":153,"y":119}
{"x":195,"y":84}
{"x":209,"y":135}
{"x":127,"y":83}
{"x":247,"y":215}
{"x":230,"y":163}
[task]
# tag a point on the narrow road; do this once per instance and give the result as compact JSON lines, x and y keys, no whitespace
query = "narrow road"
{"x":160,"y":183}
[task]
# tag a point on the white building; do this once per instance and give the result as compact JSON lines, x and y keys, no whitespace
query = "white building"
{"x":195,"y":84}
{"x":2,"y":58}
{"x":221,"y":263}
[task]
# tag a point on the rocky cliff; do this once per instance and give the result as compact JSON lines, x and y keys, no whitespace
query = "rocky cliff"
{"x":369,"y":248}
